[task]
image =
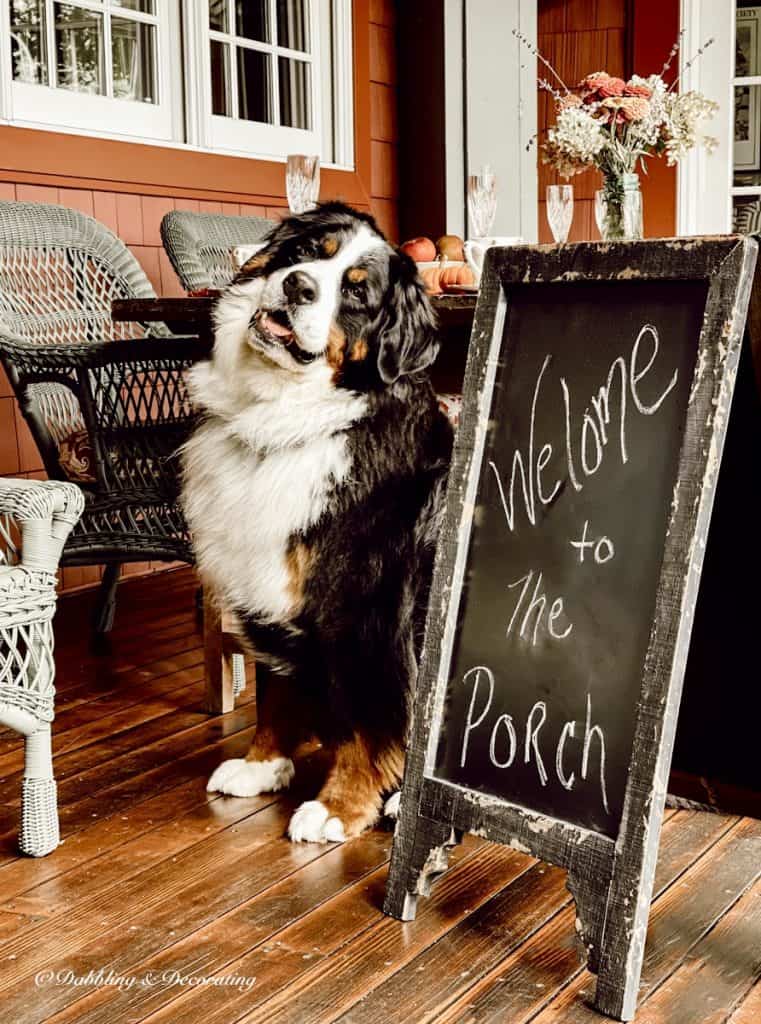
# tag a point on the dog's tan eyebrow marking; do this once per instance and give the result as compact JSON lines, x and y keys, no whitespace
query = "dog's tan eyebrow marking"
{"x":359,"y":351}
{"x":329,"y":245}
{"x":256,"y":263}
{"x":357,"y":274}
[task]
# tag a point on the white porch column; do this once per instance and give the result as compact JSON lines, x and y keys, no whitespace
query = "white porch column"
{"x":704,"y":204}
{"x":491,"y":109}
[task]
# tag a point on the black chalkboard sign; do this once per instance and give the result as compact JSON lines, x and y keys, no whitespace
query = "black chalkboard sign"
{"x":596,"y":399}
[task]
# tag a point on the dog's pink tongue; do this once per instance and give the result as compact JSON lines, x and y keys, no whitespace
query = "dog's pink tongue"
{"x":271,"y":325}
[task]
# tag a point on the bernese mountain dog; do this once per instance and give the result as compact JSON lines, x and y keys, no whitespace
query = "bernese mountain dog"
{"x":314,"y":489}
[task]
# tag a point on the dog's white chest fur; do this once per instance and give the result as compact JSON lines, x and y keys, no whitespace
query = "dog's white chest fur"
{"x":243,"y":507}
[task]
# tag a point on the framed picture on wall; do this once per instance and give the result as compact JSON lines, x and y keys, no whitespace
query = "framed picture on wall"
{"x":747,"y":151}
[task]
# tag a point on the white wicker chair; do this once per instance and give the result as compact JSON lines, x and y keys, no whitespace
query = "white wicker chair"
{"x":36,"y":517}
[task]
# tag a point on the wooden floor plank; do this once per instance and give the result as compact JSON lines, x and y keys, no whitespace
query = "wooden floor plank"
{"x":97,"y":707}
{"x":171,"y":900}
{"x":718,"y":972}
{"x":423,"y":988}
{"x":521,"y":984}
{"x":140,"y":724}
{"x":13,"y":924}
{"x":680,"y":918}
{"x":255,"y":923}
{"x":100,"y":874}
{"x":106,"y":834}
{"x":101,"y":731}
{"x":141,"y":774}
{"x":320,"y":992}
{"x":352,"y":922}
{"x":749,"y":1010}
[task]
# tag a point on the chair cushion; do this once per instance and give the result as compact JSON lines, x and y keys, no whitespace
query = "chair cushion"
{"x":746,"y":217}
{"x":75,"y":457}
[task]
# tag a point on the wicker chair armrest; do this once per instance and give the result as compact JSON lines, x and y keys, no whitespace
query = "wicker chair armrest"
{"x":40,"y":499}
{"x":29,"y":359}
{"x":133,"y":401}
{"x":46,"y":511}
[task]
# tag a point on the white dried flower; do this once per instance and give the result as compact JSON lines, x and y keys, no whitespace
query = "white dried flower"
{"x":684,"y":113}
{"x":575,"y":141}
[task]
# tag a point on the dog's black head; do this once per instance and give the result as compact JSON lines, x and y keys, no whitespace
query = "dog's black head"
{"x":329,"y":296}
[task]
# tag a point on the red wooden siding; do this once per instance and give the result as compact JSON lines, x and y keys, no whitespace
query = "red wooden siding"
{"x":384,"y":137}
{"x":577,"y":37}
{"x":654,"y":30}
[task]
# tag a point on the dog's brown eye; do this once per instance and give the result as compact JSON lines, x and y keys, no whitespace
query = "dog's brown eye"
{"x":352,"y":290}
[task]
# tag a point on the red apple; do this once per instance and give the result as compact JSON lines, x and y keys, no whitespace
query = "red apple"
{"x":421,"y":250}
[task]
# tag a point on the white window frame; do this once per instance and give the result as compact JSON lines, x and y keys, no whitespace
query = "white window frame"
{"x":46,"y":106}
{"x":184,"y":121}
{"x":251,"y":138}
{"x":704,"y":191}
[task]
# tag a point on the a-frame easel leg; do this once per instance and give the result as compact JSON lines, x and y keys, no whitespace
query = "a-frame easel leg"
{"x":420,"y":856}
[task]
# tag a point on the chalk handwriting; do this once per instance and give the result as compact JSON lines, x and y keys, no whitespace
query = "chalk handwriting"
{"x":504,"y":737}
{"x":602,"y":549}
{"x":585,"y":455}
{"x":536,"y":606}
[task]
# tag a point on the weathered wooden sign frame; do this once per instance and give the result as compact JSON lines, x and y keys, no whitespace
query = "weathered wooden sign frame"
{"x":610,"y":879}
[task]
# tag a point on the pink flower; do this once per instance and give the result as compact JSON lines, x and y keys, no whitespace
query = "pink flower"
{"x":635,"y":108}
{"x":601,"y":86}
{"x":625,"y":108}
{"x":638,"y":89}
{"x":569,"y":100}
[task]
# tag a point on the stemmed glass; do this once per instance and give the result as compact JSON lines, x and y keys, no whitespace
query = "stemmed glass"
{"x":482,"y":201}
{"x":302,"y":182}
{"x":560,"y":211}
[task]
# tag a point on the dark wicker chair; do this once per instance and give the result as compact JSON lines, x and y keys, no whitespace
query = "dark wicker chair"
{"x":105,"y":402}
{"x":200,"y":245}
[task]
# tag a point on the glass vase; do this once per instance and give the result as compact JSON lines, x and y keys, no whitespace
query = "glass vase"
{"x":618,"y":208}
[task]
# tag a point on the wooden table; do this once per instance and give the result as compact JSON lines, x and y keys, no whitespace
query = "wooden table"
{"x":192,"y":315}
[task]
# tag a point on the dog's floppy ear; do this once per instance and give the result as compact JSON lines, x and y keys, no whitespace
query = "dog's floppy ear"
{"x":256,"y":266}
{"x":406,"y":325}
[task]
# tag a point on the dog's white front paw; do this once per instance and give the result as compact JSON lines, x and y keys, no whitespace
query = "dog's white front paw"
{"x":311,"y":823}
{"x":391,"y":806}
{"x":238,"y":777}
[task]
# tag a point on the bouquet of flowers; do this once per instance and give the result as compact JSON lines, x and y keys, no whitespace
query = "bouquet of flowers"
{"x":615,"y":126}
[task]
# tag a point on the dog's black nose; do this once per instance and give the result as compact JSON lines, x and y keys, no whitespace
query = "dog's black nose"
{"x":300,"y":288}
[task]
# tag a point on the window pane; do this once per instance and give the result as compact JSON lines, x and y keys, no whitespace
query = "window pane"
{"x":28,"y":50}
{"x":254,"y":86}
{"x":747,"y":147}
{"x":748,"y":44}
{"x":293,"y":24}
{"x":79,"y":49}
{"x":220,"y":79}
{"x":133,"y":60}
{"x":145,"y":6}
{"x":218,"y":15}
{"x":295,"y":93}
{"x":252,"y":19}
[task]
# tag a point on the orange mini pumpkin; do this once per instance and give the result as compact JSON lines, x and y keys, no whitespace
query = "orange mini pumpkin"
{"x":436,"y":279}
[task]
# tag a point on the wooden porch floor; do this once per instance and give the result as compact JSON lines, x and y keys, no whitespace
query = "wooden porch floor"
{"x":156,"y":882}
